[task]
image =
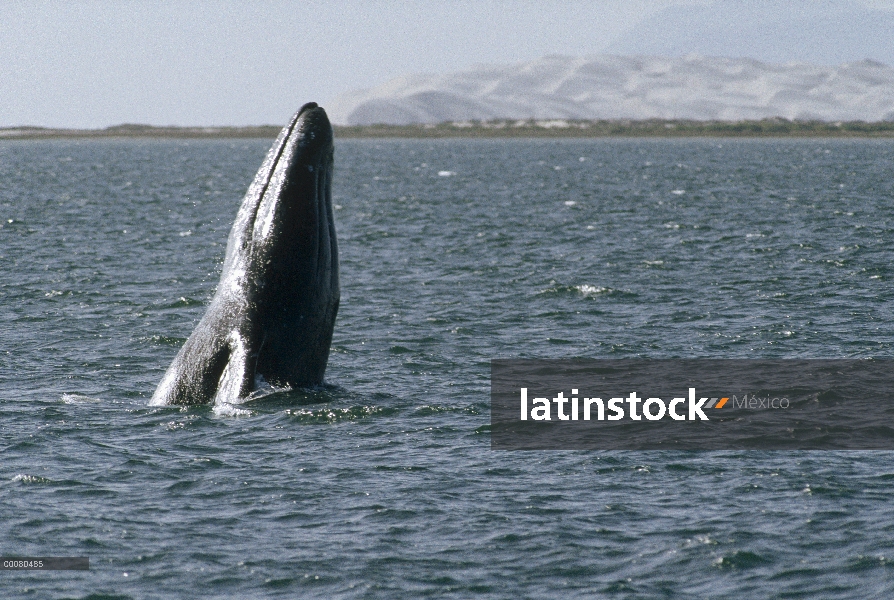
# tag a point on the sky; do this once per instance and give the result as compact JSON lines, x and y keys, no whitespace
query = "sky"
{"x":92,"y":64}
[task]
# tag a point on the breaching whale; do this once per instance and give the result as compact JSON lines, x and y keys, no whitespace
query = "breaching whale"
{"x":274,"y":309}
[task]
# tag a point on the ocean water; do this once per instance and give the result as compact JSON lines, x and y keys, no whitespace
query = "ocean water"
{"x":382,"y":484}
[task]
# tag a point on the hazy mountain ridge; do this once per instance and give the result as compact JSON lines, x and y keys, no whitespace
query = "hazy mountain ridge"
{"x":629,"y":87}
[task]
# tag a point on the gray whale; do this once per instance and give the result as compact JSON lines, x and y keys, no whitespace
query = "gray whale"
{"x":274,"y":309}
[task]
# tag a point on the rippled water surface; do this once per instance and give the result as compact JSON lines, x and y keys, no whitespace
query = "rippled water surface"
{"x":453,"y":252}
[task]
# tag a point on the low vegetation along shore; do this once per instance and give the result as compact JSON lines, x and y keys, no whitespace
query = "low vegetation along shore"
{"x":555,"y":128}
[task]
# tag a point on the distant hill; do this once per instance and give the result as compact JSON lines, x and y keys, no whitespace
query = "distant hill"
{"x":629,"y":87}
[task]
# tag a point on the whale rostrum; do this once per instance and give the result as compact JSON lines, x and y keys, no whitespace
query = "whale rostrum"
{"x":272,"y":315}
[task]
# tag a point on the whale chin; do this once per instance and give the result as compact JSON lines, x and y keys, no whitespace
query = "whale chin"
{"x":272,"y":316}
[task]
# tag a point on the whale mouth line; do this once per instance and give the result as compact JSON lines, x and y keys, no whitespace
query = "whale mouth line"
{"x":282,"y":148}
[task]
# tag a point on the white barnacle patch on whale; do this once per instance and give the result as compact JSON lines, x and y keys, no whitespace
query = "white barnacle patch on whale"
{"x":236,"y":280}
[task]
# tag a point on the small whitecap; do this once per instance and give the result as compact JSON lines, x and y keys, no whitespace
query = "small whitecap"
{"x":22,"y":477}
{"x":591,"y":290}
{"x":591,"y":227}
{"x":678,"y":192}
{"x":582,"y":159}
{"x":654,"y":262}
{"x":557,"y":168}
{"x":446,"y":173}
{"x":228,"y":410}
{"x":570,"y":203}
{"x":78,"y":399}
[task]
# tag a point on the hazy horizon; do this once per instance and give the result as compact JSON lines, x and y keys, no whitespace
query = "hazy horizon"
{"x":216,"y":63}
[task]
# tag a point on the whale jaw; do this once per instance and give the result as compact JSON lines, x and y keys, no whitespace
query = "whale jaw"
{"x":274,"y":310}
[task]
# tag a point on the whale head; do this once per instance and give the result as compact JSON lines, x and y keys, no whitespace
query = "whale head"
{"x":290,"y":198}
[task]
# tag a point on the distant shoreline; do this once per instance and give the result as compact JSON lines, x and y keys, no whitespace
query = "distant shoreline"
{"x":554,"y":128}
